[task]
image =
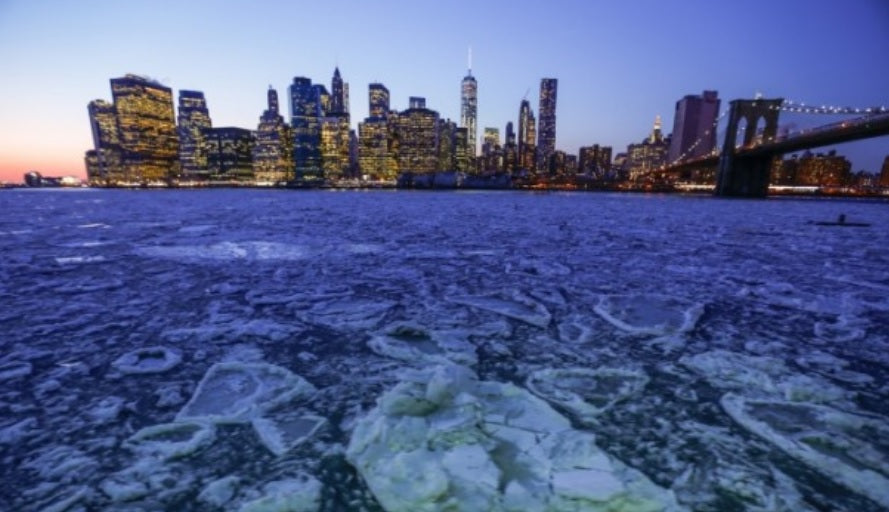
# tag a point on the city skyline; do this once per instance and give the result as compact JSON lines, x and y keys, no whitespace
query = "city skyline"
{"x":641,"y":71}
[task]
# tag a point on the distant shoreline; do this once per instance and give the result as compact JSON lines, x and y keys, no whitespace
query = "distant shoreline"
{"x":811,"y":192}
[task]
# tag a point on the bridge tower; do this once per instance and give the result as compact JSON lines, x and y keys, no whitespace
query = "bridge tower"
{"x":747,"y":176}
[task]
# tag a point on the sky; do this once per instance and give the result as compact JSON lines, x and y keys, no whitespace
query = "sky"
{"x":619,"y":64}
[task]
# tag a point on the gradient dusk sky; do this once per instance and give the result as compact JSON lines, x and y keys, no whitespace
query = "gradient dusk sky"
{"x":618,"y":63}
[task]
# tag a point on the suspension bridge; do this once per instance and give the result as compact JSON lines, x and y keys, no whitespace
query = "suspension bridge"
{"x":752,"y":141}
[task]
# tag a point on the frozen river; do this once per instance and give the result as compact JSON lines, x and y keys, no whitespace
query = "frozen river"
{"x":318,"y":350}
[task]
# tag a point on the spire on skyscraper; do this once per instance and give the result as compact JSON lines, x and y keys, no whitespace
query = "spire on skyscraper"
{"x":469,"y":62}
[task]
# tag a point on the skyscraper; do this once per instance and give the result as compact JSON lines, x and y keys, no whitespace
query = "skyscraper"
{"x":194,"y":120}
{"x":306,"y":111}
{"x":378,"y":97}
{"x":103,"y":162}
{"x":273,"y":147}
{"x":469,"y":106}
{"x":335,"y":132}
{"x":377,"y":157}
{"x":229,"y":153}
{"x":546,"y":131}
{"x":527,"y":138}
{"x":337,"y":94}
{"x":694,"y":133}
{"x":417,"y":138}
{"x":146,"y":125}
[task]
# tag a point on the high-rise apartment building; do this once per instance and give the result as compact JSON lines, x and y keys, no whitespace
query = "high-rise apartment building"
{"x":305,"y":121}
{"x":694,"y":130}
{"x":146,"y":126}
{"x":469,"y":106}
{"x":546,"y":129}
{"x":194,"y":121}
{"x":273,"y":147}
{"x":334,"y":144}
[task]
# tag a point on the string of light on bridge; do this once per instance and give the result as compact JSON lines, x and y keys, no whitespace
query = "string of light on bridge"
{"x":802,"y":107}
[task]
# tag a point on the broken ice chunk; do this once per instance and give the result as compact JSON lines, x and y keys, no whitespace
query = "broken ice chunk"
{"x":654,"y":315}
{"x":281,"y":433}
{"x":842,"y":446}
{"x":171,"y":440}
{"x":413,"y":343}
{"x":515,"y":305}
{"x":239,"y":392}
{"x":301,"y":494}
{"x":147,"y":360}
{"x":587,"y":393}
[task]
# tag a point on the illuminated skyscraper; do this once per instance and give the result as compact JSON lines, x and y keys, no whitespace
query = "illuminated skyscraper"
{"x":229,"y":153}
{"x":693,"y":125}
{"x":417,"y":140}
{"x":335,"y":131}
{"x":377,"y":147}
{"x":546,"y":133}
{"x":146,"y":126}
{"x":306,"y":111}
{"x":335,"y":146}
{"x":447,"y":142}
{"x":104,"y":164}
{"x":338,"y":94}
{"x":648,"y":155}
{"x":194,"y":120}
{"x":463,"y":159}
{"x":273,"y":148}
{"x":527,"y":137}
{"x":378,"y":96}
{"x":469,"y":106}
{"x":510,"y":150}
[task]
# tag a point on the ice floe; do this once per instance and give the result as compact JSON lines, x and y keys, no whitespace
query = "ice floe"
{"x":651,"y":315}
{"x":587,"y":393}
{"x":762,"y":376}
{"x":220,"y":491}
{"x":171,"y":440}
{"x":301,"y":494}
{"x":147,"y":360}
{"x":514,"y":305}
{"x":443,"y":440}
{"x":281,"y":432}
{"x":845,"y":447}
{"x":239,"y":392}
{"x":350,"y":313}
{"x":413,"y":343}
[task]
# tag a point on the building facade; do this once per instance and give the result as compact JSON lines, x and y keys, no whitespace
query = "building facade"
{"x":546,"y":128}
{"x":146,"y":126}
{"x":305,"y":121}
{"x":273,"y":145}
{"x":694,"y":126}
{"x":648,"y":155}
{"x":417,"y":140}
{"x":469,"y":108}
{"x":229,"y":154}
{"x":103,"y":162}
{"x":194,"y":121}
{"x":594,"y":161}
